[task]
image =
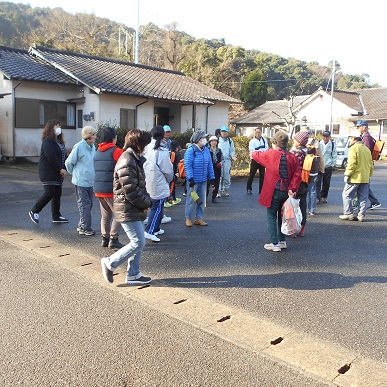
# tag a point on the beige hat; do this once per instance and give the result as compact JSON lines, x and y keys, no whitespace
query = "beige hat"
{"x":87,"y":131}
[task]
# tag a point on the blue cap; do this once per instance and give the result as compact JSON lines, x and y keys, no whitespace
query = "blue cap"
{"x":362,"y":123}
{"x":224,"y":128}
{"x":167,"y":128}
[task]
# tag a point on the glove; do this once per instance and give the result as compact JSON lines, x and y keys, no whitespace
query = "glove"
{"x":219,"y":165}
{"x":346,"y":178}
{"x":191,"y":182}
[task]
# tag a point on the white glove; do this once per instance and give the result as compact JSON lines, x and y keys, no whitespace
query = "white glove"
{"x":346,"y":178}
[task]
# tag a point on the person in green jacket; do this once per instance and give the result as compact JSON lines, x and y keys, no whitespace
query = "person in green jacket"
{"x":357,"y":177}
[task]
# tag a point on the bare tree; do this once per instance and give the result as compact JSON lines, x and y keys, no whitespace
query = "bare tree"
{"x":290,"y":117}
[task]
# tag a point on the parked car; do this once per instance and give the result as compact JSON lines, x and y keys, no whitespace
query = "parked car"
{"x":342,"y":145}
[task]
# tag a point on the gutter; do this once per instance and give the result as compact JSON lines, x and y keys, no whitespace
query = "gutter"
{"x":135,"y":116}
{"x":14,"y":121}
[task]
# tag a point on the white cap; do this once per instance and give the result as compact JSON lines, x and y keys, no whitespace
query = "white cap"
{"x":355,"y":133}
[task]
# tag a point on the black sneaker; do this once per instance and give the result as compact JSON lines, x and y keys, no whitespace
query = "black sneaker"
{"x":373,"y":206}
{"x":139,"y":281}
{"x":61,"y":219}
{"x":34,"y":217}
{"x":249,"y":192}
{"x":106,"y":272}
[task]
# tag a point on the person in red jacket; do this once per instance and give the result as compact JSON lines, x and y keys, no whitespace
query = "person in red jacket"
{"x":282,"y":179}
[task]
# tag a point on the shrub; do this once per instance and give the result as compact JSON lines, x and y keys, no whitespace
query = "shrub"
{"x":182,"y":138}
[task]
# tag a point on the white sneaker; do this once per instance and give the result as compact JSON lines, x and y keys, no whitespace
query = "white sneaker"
{"x":160,"y":232}
{"x":282,"y":244}
{"x":152,"y":237}
{"x":225,"y":193}
{"x":166,"y":219}
{"x":270,"y":246}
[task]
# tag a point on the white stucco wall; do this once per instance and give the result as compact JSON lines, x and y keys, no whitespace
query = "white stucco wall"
{"x":6,"y":118}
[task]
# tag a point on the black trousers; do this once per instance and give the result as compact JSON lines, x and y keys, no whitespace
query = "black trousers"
{"x":53,"y":193}
{"x":323,"y":182}
{"x":254,"y":167}
{"x":217,"y":173}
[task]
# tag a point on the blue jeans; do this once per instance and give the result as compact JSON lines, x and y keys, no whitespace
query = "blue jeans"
{"x":225,"y":177}
{"x":132,"y":251}
{"x":84,"y":196}
{"x":312,"y":197}
{"x":274,"y":218}
{"x":155,"y":215}
{"x":191,"y":207}
{"x":349,"y":192}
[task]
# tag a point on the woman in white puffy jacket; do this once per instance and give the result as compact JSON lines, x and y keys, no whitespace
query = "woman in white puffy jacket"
{"x":158,"y":174}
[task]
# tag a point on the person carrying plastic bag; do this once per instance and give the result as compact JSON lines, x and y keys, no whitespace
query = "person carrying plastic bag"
{"x":282,"y":179}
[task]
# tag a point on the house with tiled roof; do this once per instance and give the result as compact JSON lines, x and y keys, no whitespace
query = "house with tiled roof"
{"x":40,"y":84}
{"x":321,"y":112}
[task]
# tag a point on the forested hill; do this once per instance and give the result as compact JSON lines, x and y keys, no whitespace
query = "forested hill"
{"x":250,"y":75}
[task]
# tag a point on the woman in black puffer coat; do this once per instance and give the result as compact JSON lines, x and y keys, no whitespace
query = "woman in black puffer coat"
{"x":131,"y":203}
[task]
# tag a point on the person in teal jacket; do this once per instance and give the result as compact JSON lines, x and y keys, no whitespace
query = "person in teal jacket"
{"x":198,"y":169}
{"x":80,"y":164}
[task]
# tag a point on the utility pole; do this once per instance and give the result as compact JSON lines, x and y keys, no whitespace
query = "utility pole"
{"x":332,"y":85}
{"x":137,"y":32}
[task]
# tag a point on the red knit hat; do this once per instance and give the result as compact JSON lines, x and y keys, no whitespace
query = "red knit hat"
{"x":302,"y":137}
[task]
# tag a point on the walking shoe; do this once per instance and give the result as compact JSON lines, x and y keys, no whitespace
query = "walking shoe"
{"x":302,"y":231}
{"x":360,"y":218}
{"x":34,"y":217}
{"x":270,"y":246}
{"x":160,"y":232}
{"x":225,"y":193}
{"x":151,"y":237}
{"x":166,"y":219}
{"x":105,"y":242}
{"x":348,"y":217}
{"x":282,"y":244}
{"x":184,"y":194}
{"x":199,"y":222}
{"x":318,"y":201}
{"x":61,"y":219}
{"x":176,"y":201}
{"x":168,"y":204}
{"x":139,"y":281}
{"x":373,"y":206}
{"x":219,"y":194}
{"x":214,"y":200}
{"x":86,"y":232}
{"x":115,"y":244}
{"x":106,"y":270}
{"x":312,"y":213}
{"x":249,"y":192}
{"x":188,"y":222}
{"x":324,"y":200}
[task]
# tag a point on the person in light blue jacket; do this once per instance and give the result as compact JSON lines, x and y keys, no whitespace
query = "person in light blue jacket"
{"x":198,"y":169}
{"x":80,"y":164}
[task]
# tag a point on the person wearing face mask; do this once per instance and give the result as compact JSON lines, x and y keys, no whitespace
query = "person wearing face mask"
{"x":198,"y":169}
{"x":51,"y":172}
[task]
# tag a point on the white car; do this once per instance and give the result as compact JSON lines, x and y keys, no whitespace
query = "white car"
{"x":342,"y":145}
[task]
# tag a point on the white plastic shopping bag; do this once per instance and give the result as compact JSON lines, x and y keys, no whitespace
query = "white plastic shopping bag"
{"x":291,"y":217}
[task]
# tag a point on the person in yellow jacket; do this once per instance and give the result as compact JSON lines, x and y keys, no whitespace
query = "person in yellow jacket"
{"x":357,"y":177}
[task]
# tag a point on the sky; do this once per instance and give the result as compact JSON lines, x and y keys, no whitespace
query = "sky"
{"x":351,"y":32}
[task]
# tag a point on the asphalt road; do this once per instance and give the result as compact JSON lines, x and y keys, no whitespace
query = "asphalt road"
{"x":329,"y":286}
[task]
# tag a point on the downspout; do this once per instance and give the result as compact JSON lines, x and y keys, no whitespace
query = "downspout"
{"x":135,"y":116}
{"x":14,"y":122}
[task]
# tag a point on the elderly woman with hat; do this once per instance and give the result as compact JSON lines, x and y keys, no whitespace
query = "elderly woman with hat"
{"x":282,"y":179}
{"x":198,"y":169}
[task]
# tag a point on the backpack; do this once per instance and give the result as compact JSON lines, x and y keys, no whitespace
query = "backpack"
{"x":310,"y":168}
{"x":378,"y":147}
{"x":180,"y":168}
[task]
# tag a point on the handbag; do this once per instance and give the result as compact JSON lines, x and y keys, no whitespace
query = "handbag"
{"x":291,"y":216}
